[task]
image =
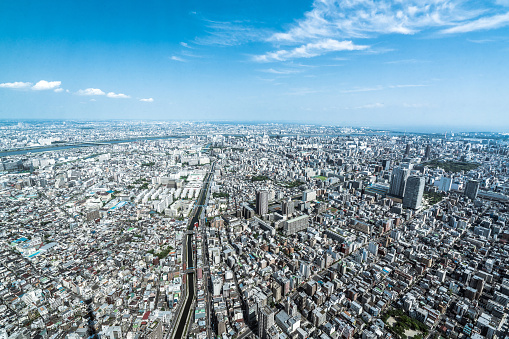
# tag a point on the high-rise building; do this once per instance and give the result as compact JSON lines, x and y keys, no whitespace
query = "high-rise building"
{"x":290,"y":307}
{"x":287,"y":207}
{"x":247,"y":212}
{"x":217,"y":285}
{"x":265,"y":321}
{"x":276,"y":291}
{"x":373,"y":248}
{"x":471,"y":189}
{"x":427,"y":153}
{"x":262,"y":202}
{"x":398,"y":181}
{"x":445,"y":184}
{"x":309,"y":195}
{"x":304,"y":270}
{"x":295,"y":225}
{"x":413,"y":192}
{"x":441,"y":274}
{"x":407,"y":149}
{"x":386,"y":164}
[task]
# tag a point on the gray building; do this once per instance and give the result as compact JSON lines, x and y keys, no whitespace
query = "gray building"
{"x":10,"y":166}
{"x":262,"y":202}
{"x":427,"y":153}
{"x":398,"y":181}
{"x":265,"y":321}
{"x":295,"y":225}
{"x":414,"y":190}
{"x":386,"y":164}
{"x":287,"y":207}
{"x":471,"y":189}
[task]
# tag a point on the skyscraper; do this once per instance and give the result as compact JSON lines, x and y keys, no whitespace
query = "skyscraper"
{"x":413,"y":192}
{"x":398,"y":181}
{"x":471,"y":189}
{"x":407,"y":149}
{"x":265,"y":321}
{"x":386,"y":164}
{"x":262,"y":202}
{"x":287,"y":207}
{"x":427,"y":153}
{"x":445,"y":184}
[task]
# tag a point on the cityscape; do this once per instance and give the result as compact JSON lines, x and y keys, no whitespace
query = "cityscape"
{"x":202,"y":230}
{"x":267,"y":169}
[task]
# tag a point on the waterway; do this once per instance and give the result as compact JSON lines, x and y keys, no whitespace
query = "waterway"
{"x":58,"y":147}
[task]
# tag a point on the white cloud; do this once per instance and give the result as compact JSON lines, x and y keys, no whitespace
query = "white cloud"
{"x":184,"y":44}
{"x":340,"y":19}
{"x":485,"y":23}
{"x":407,"y":105}
{"x":406,"y":86}
{"x":58,"y":90}
{"x":310,"y":50}
{"x":380,"y":88}
{"x":367,"y":106}
{"x":90,"y":91}
{"x":117,"y":95}
{"x":406,"y":61}
{"x":45,"y":85}
{"x":302,"y":91}
{"x":481,"y":41}
{"x":363,"y":89}
{"x":147,"y":100}
{"x":176,"y":58}
{"x":280,"y":71}
{"x":375,"y":105}
{"x":17,"y":84}
{"x":231,"y":33}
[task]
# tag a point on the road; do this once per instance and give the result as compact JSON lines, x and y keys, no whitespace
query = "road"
{"x":182,"y":326}
{"x":206,"y":273}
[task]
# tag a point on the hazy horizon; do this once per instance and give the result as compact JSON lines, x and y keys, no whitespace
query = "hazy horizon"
{"x":425,"y":66}
{"x":418,"y":129}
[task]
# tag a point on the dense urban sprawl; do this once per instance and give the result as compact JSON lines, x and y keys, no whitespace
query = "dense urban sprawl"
{"x":306,"y":232}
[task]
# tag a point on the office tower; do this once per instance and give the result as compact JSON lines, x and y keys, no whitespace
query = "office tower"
{"x":427,"y":153}
{"x":413,"y":192}
{"x":364,"y":255}
{"x":217,"y":285}
{"x":309,"y":195}
{"x":471,"y":189}
{"x":265,"y":321}
{"x":398,"y":181}
{"x":373,"y":248}
{"x":407,"y":150}
{"x":247,"y":212}
{"x":287,"y":207}
{"x":441,"y":274}
{"x":305,"y":270}
{"x":295,"y":225}
{"x":386,"y":164}
{"x":445,"y":184}
{"x":262,"y":202}
{"x":290,"y":307}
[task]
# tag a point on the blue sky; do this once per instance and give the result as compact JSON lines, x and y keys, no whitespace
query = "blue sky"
{"x":415,"y":65}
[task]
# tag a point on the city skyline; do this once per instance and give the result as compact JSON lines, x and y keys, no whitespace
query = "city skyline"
{"x":416,"y":66}
{"x":168,"y":230}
